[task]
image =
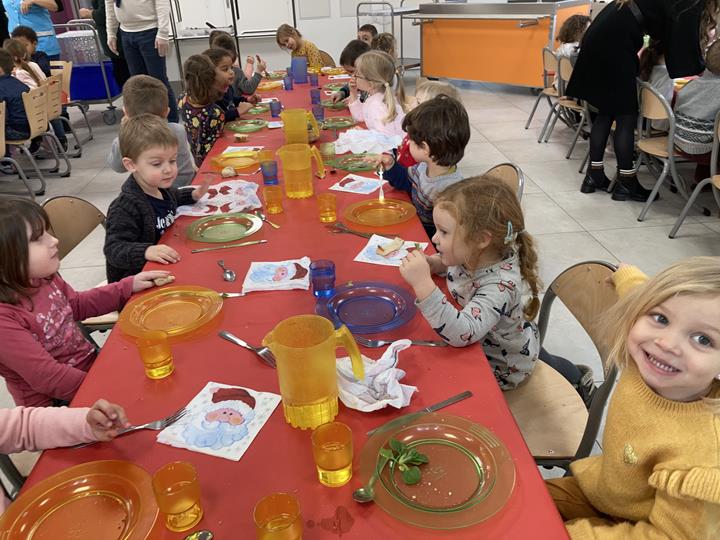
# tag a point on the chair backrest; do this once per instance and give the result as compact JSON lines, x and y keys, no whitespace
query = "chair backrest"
{"x":652,"y":104}
{"x":35,"y":102}
{"x":327,"y":60}
{"x":565,"y":69}
{"x":2,"y":124}
{"x":63,"y":68}
{"x":510,"y":174}
{"x":71,"y":220}
{"x":54,"y":96}
{"x":550,"y":66}
{"x":585,"y":291}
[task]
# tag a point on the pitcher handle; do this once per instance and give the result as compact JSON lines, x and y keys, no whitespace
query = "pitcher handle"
{"x":343,"y":338}
{"x":318,"y":161}
{"x":314,"y":124}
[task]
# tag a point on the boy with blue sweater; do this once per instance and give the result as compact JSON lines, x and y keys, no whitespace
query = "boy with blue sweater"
{"x":11,"y":91}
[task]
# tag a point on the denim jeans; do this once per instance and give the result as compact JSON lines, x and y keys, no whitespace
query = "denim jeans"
{"x":143,"y":59}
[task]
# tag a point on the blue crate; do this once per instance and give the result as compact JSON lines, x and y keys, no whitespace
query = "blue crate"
{"x":86,"y":83}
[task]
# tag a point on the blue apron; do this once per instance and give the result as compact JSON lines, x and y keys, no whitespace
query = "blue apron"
{"x":37,"y":18}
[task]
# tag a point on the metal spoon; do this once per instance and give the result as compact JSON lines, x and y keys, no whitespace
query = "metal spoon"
{"x":366,"y":493}
{"x":228,"y":275}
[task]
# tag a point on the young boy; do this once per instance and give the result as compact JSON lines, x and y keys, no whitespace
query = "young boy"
{"x":438,"y":130}
{"x":366,"y":33}
{"x":29,"y":38}
{"x":246,"y":81}
{"x":147,"y":202}
{"x":11,"y":91}
{"x":143,"y":94}
{"x":349,"y":55}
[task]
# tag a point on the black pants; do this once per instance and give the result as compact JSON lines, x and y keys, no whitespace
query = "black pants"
{"x":624,"y":139}
{"x":564,"y":367}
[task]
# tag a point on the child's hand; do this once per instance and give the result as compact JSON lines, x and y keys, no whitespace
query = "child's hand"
{"x":106,"y":419}
{"x":202,"y":188}
{"x":386,"y":160}
{"x":249,"y":60}
{"x":145,"y":280}
{"x":415,"y":270}
{"x":261,"y":65}
{"x":254,"y":99}
{"x":352,"y":85}
{"x":436,"y":266}
{"x":162,"y":254}
{"x":337,"y":96}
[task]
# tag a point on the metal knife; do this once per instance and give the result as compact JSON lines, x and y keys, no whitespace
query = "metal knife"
{"x":227,"y":246}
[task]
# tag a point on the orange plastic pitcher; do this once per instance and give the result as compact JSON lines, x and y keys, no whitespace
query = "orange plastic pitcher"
{"x":297,"y":169}
{"x":298,"y":124}
{"x":304,"y":348}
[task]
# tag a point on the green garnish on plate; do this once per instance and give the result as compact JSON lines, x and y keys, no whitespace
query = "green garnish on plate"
{"x":407,"y":460}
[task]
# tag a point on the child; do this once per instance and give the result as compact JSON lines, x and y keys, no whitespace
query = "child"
{"x":25,"y":71}
{"x":45,"y":356}
{"x":17,"y":127}
{"x":489,"y":259}
{"x":366,"y":33}
{"x":233,"y":106}
{"x":695,"y":108}
{"x":143,"y":94}
{"x":438,"y":131}
{"x":425,"y":90}
{"x":659,"y":474}
{"x":246,"y":81}
{"x":381,"y":111}
{"x":348,"y":57}
{"x":204,"y":119}
{"x":290,"y":39}
{"x":570,"y":35}
{"x":384,"y":42}
{"x":654,"y":71}
{"x":146,"y":206}
{"x":40,"y":428}
{"x":28,"y":37}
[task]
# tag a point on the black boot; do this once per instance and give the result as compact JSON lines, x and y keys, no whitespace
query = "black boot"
{"x":595,"y":179}
{"x":628,"y":187}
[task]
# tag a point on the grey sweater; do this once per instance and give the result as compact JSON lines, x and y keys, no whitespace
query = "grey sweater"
{"x":695,"y":108}
{"x":492,"y":312}
{"x":243,"y":85}
{"x":185,"y":162}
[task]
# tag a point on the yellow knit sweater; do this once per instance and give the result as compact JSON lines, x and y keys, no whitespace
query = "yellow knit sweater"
{"x":659,"y":474}
{"x":311,"y":52}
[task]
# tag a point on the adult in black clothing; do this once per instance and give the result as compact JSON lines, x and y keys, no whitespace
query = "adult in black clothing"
{"x":607,"y":68}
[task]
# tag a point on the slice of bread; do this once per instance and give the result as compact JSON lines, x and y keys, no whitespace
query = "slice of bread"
{"x":159,"y":282}
{"x":387,"y":248}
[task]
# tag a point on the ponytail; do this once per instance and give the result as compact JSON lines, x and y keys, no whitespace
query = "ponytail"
{"x":399,"y":73}
{"x":389,"y":100}
{"x":528,"y":269}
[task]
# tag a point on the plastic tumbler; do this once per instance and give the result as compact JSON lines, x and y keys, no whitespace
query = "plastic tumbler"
{"x":318,"y":112}
{"x":315,"y":96}
{"x":272,"y":192}
{"x":327,"y":204}
{"x":177,"y":492}
{"x":322,"y":277}
{"x":327,"y":151}
{"x":277,"y":517}
{"x":156,"y":354}
{"x":313,"y":77}
{"x":288,"y":83}
{"x":333,"y":453}
{"x":275,"y":109}
{"x":269,"y":170}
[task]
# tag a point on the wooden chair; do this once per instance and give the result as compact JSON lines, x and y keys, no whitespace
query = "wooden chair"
{"x":72,"y":219}
{"x":64,"y":69}
{"x":549,"y":92}
{"x":552,"y":417}
{"x":9,"y":160}
{"x":713,"y":181}
{"x":55,"y":92}
{"x":511,"y":175}
{"x":327,"y":60}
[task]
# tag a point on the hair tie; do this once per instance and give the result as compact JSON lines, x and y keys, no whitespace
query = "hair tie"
{"x":511,"y":236}
{"x":387,"y":84}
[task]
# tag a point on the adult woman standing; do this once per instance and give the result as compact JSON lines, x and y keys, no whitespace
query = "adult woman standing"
{"x":36,"y":15}
{"x":144,"y":26}
{"x":607,"y":67}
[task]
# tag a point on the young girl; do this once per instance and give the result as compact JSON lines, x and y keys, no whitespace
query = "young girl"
{"x":659,"y":473}
{"x":204,"y":119}
{"x":289,"y":38}
{"x":489,"y":260}
{"x":384,"y":42}
{"x":570,"y":34}
{"x":45,"y":356}
{"x":25,"y":71}
{"x":381,"y":111}
{"x":233,"y":106}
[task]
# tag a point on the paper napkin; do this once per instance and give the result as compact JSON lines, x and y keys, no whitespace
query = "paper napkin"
{"x":359,"y":141}
{"x":278,"y":276}
{"x":229,"y":196}
{"x":370,"y":255}
{"x":354,"y":183}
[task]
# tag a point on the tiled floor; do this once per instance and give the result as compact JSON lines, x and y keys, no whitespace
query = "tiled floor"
{"x":568,"y":226}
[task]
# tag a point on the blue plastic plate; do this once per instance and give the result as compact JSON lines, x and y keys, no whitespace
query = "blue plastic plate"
{"x":368,"y":307}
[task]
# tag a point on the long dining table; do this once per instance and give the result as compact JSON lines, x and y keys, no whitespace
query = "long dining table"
{"x":280,"y":458}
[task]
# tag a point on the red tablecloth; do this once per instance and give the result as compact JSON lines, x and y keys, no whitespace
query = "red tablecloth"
{"x":280,"y":458}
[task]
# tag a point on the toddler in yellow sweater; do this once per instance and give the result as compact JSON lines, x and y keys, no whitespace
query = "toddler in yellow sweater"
{"x":289,"y":38}
{"x":659,"y":474}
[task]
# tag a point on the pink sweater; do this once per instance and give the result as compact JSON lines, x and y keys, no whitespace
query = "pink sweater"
{"x":33,"y":429}
{"x":44,"y":355}
{"x":374,"y":111}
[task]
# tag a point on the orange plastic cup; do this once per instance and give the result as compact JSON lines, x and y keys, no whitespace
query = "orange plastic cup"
{"x":327,"y":206}
{"x":156,"y":354}
{"x":177,"y":492}
{"x":277,"y":517}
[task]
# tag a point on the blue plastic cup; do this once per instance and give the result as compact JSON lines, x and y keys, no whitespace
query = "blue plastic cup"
{"x":288,"y":83}
{"x":322,"y":277}
{"x":269,"y":170}
{"x":313,"y":79}
{"x":318,"y":112}
{"x":315,"y":96}
{"x":275,"y":109}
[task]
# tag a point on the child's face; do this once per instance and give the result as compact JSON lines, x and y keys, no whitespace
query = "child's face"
{"x":154,"y":168}
{"x":29,"y":45}
{"x":676,"y":346}
{"x":364,"y":35}
{"x":419,"y":152}
{"x":450,"y":247}
{"x":289,"y":43}
{"x":43,"y":259}
{"x":224,"y":74}
{"x":362,"y":83}
{"x":350,"y":69}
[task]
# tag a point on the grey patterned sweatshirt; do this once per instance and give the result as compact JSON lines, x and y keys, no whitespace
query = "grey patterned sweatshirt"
{"x":492,"y":312}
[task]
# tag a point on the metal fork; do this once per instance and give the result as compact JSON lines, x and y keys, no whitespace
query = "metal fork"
{"x":372,"y":343}
{"x":341,"y":228}
{"x":157,"y":425}
{"x":264,"y":354}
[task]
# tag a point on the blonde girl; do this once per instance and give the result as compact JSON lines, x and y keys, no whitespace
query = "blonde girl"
{"x":204,"y":119}
{"x":490,"y":261}
{"x":290,"y":39}
{"x":381,"y":111}
{"x":25,"y":71}
{"x":659,"y":473}
{"x":384,"y":42}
